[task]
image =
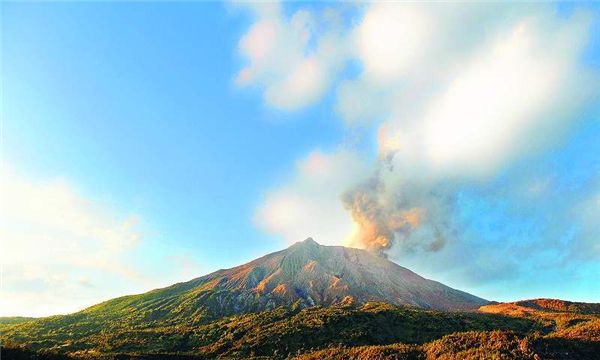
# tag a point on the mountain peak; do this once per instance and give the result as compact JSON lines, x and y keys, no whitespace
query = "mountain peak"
{"x":308,"y":242}
{"x":311,"y":274}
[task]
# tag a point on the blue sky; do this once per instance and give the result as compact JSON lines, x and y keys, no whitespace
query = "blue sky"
{"x":142,"y":114}
{"x":144,"y":94}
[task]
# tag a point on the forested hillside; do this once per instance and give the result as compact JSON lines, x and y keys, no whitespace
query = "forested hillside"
{"x":344,"y":331}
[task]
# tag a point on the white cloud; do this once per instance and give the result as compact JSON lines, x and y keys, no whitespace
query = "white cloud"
{"x":58,"y":245}
{"x":309,"y":205}
{"x":456,"y":84}
{"x":456,"y":93}
{"x":506,"y":94}
{"x":481,"y":78}
{"x":485,"y":85}
{"x":408,"y":51}
{"x":392,"y":39}
{"x":360,"y":103}
{"x":292,"y":59}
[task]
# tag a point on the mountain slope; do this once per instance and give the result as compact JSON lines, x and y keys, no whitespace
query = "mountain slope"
{"x":525,"y":307}
{"x":313,"y":274}
{"x":367,"y":301}
{"x":303,"y":275}
{"x":569,"y":320}
{"x":369,"y":331}
{"x":281,"y":330}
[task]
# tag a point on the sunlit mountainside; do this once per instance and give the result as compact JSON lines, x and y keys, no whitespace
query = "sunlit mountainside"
{"x":311,"y":301}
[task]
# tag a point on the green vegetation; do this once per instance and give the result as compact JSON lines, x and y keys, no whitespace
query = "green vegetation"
{"x":381,"y":352}
{"x":468,"y":345}
{"x":370,"y":331}
{"x":13,"y":320}
{"x":555,"y":305}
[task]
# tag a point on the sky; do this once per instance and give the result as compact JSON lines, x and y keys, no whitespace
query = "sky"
{"x":147,"y":143}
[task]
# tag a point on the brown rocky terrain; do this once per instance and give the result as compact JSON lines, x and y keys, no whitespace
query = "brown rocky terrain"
{"x":314,"y":274}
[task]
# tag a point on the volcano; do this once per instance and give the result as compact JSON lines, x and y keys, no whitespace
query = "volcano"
{"x":308,"y":274}
{"x":304,"y":275}
{"x":312,"y":302}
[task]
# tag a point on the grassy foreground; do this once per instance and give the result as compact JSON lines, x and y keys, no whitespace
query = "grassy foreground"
{"x":370,"y":331}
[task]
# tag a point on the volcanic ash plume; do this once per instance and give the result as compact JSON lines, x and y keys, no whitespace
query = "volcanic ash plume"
{"x":380,"y":219}
{"x":411,"y":219}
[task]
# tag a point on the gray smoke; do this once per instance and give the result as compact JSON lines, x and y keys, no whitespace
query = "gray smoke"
{"x":406,"y":217}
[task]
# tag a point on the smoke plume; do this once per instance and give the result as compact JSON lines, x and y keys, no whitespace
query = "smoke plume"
{"x":384,"y":218}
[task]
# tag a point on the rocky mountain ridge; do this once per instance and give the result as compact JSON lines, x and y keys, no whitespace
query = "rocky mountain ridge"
{"x":311,"y":274}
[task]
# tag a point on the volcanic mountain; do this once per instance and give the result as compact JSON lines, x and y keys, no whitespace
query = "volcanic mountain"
{"x":264,"y":310}
{"x":304,"y":275}
{"x":310,"y":274}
